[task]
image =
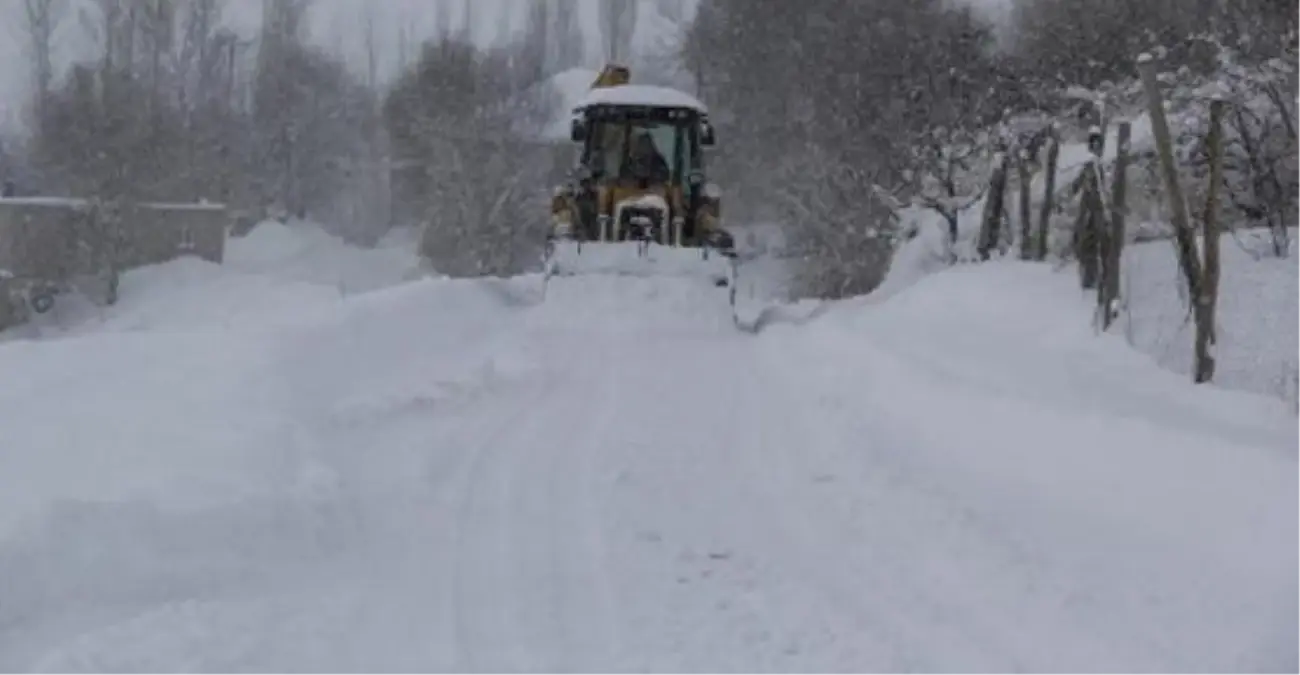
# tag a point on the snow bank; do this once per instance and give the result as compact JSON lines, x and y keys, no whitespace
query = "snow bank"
{"x":129,"y":457}
{"x":416,"y":344}
{"x":926,"y":251}
{"x":765,"y":274}
{"x":83,"y":420}
{"x":168,"y":446}
{"x":271,"y":275}
{"x":1257,"y":317}
{"x":1010,"y":312}
{"x":1257,"y":314}
{"x":1131,"y":503}
{"x":959,"y":476}
{"x":303,"y":252}
{"x":141,"y":472}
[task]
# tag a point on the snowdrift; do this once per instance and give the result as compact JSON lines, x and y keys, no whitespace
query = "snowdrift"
{"x":1258,"y":325}
{"x":303,"y":252}
{"x":990,"y":382}
{"x":446,"y":474}
{"x":273,"y":274}
{"x":1257,"y":315}
{"x":175,"y":459}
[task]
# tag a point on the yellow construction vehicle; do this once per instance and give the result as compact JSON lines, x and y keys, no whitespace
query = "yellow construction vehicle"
{"x":638,"y":200}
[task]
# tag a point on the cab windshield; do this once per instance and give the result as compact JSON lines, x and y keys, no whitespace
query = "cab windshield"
{"x":639,"y":149}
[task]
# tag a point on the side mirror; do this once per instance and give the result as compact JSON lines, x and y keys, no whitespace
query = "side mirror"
{"x":707,"y":138}
{"x":712,"y":192}
{"x":578,"y":131}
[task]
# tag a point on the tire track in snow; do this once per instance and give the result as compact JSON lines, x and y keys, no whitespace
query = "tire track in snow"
{"x":718,"y":587}
{"x":783,"y":496}
{"x":531,"y":583}
{"x":1024,"y":600}
{"x":581,"y":558}
{"x":852,"y":573}
{"x":477,"y":629}
{"x":771,"y":461}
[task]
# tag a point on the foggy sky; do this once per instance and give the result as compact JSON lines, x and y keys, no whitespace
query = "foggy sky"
{"x":333,"y":24}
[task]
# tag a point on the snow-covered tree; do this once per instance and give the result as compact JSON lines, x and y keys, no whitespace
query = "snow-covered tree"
{"x":1260,"y":178}
{"x":819,"y":102}
{"x":475,"y":177}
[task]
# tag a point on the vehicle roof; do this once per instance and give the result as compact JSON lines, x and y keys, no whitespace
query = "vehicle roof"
{"x":641,"y":95}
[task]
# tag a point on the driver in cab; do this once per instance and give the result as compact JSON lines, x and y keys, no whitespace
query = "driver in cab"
{"x":644,"y":161}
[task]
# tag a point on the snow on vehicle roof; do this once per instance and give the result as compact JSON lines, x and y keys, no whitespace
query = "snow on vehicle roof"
{"x":641,"y":95}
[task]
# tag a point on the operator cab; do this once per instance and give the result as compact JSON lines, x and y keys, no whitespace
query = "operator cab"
{"x":613,"y":137}
{"x":642,"y":139}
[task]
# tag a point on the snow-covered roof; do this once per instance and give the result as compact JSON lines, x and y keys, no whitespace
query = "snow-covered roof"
{"x":641,"y":95}
{"x":77,"y":202}
{"x":61,"y":202}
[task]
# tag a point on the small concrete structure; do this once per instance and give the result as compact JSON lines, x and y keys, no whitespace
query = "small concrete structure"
{"x":58,"y":240}
{"x":44,"y":236}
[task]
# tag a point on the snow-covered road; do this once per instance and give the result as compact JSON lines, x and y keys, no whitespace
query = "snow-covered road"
{"x":447,"y":476}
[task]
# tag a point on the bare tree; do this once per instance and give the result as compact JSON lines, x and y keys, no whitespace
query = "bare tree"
{"x":819,"y":102}
{"x":570,"y":49}
{"x":536,"y":44}
{"x":42,"y":19}
{"x":617,"y":27}
{"x":948,"y":178}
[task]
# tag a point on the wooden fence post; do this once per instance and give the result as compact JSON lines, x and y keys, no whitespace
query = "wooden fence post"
{"x":1108,"y":299}
{"x":1049,"y":195}
{"x":1207,"y":299}
{"x":1026,"y":225}
{"x":991,"y":227}
{"x":1191,"y":264}
{"x":1090,"y":229}
{"x":1169,"y":172}
{"x":1185,"y":237}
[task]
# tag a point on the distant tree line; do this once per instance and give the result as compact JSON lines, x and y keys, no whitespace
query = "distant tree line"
{"x":177,"y":108}
{"x":829,"y":111}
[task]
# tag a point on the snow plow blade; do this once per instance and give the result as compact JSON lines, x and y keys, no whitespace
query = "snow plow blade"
{"x":642,"y":259}
{"x":709,"y":266}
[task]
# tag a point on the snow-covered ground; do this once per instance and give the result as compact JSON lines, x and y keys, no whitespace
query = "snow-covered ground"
{"x":1257,"y":319}
{"x":242,"y":468}
{"x":274,"y":273}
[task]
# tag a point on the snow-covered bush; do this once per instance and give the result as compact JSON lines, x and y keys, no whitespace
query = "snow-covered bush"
{"x":842,"y":238}
{"x":1260,"y":149}
{"x":950,"y":175}
{"x":473,"y":173}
